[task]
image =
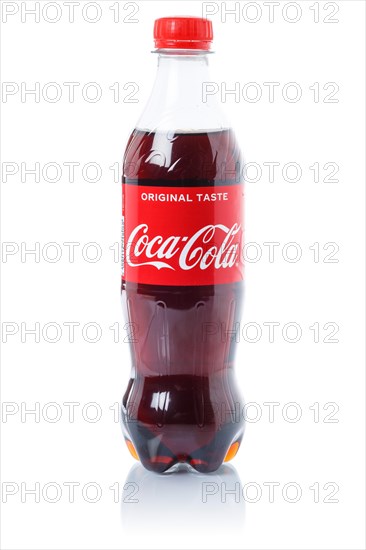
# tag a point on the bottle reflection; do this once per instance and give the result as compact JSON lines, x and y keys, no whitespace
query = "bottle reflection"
{"x":183,"y":500}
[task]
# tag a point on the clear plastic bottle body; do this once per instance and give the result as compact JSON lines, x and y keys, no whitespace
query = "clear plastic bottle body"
{"x":182,"y":402}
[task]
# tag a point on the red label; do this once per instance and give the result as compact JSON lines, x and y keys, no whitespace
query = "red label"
{"x":184,"y":236}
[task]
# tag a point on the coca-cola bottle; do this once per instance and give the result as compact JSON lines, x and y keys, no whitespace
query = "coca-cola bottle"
{"x":182,"y":270}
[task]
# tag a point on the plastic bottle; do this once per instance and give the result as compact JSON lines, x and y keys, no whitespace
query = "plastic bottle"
{"x":182,"y":274}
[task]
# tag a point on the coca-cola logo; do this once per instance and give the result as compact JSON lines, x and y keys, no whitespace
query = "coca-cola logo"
{"x":212,"y":245}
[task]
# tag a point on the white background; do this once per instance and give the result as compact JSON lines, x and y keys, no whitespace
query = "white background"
{"x":171,"y":511}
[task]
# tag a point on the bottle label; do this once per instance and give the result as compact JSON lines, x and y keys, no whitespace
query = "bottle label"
{"x":184,"y":236}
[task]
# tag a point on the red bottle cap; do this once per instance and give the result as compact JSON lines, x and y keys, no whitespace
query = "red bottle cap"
{"x":192,"y":33}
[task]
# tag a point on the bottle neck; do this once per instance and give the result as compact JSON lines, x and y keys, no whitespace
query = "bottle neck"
{"x":177,"y":73}
{"x":179,"y":100}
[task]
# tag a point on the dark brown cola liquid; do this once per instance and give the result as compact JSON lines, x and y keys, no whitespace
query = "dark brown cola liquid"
{"x":182,"y":403}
